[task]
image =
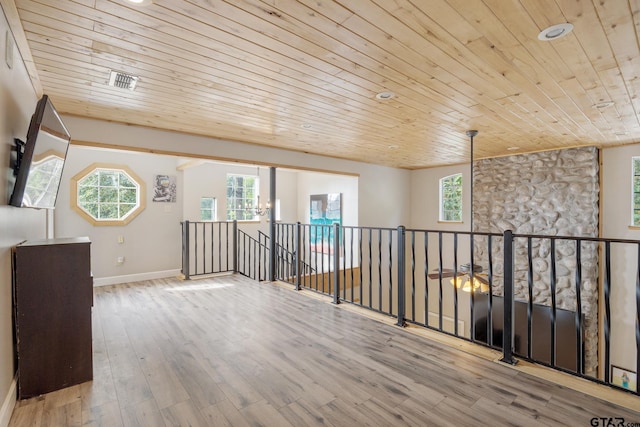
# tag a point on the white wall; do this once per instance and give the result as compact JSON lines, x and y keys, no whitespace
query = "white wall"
{"x":424,"y":214}
{"x":323,"y":183}
{"x":17,"y":102}
{"x":152,"y":241}
{"x":425,"y":193}
{"x":383,"y":192}
{"x":209,"y":180}
{"x":616,"y":219}
{"x":287,"y":192}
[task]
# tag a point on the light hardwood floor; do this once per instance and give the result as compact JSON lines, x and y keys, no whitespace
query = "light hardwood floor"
{"x":228,"y":351}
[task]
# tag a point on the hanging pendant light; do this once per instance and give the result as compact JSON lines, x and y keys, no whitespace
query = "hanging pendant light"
{"x":258,"y":210}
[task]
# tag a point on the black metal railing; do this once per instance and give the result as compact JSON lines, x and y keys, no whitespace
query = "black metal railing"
{"x":532,"y":297}
{"x":547,"y":299}
{"x":573,"y":328}
{"x":252,"y":256}
{"x":208,"y":247}
{"x":287,"y":264}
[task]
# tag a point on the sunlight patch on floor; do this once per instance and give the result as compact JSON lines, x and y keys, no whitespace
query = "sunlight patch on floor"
{"x":199,"y":287}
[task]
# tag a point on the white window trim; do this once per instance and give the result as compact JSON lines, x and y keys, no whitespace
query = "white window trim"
{"x":255,"y":218}
{"x":214,"y":210}
{"x":441,"y":201}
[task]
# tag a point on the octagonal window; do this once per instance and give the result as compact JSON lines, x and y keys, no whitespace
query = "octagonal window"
{"x":107,"y":194}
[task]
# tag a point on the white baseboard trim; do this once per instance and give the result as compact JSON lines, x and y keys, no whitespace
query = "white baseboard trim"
{"x":115,"y":280}
{"x":8,"y":404}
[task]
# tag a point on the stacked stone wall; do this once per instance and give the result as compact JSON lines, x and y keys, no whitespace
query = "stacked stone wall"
{"x":554,"y":193}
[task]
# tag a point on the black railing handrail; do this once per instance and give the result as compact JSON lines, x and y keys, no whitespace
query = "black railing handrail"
{"x":205,"y":222}
{"x":292,"y":254}
{"x":194,"y":247}
{"x":250,"y":237}
{"x":251,"y":264}
{"x":580,"y":238}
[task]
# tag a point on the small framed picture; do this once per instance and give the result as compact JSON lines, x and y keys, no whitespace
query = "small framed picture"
{"x":623,"y":378}
{"x":164,"y":189}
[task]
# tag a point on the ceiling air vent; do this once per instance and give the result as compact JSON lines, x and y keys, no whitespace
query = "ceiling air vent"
{"x":122,"y":80}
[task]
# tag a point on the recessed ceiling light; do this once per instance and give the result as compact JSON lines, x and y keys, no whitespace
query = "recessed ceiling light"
{"x":604,"y":104}
{"x":385,"y":95}
{"x":555,"y":32}
{"x":306,"y":126}
{"x":513,"y":148}
{"x":140,"y":2}
{"x":621,"y":133}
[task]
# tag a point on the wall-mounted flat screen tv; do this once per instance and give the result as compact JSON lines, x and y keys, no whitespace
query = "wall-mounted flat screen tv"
{"x":40,"y":160}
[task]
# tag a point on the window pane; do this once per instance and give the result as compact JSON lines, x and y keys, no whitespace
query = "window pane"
{"x":91,"y":179}
{"x":125,"y":181}
{"x":87,"y":194}
{"x":125,"y":208}
{"x":109,"y":195}
{"x":451,"y":198}
{"x":108,"y":179}
{"x":91,"y":209}
{"x":128,"y":195}
{"x":208,"y":208}
{"x":241,"y":196}
{"x":108,"y":211}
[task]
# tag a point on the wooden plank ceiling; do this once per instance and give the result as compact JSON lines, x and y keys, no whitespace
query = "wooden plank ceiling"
{"x":304,"y":74}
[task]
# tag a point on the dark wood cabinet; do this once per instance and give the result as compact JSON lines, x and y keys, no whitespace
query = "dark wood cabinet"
{"x":53,"y":296}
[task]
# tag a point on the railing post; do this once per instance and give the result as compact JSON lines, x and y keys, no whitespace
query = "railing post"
{"x":272,"y":224}
{"x":507,"y":332}
{"x":336,"y":263}
{"x":236,"y":249}
{"x":296,"y":254}
{"x":185,"y":250}
{"x":401,"y":276}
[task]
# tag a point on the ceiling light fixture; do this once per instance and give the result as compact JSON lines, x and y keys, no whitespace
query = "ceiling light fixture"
{"x":306,"y":126}
{"x":254,"y":207}
{"x":385,"y":95}
{"x":555,"y":32}
{"x":140,"y":2}
{"x":468,"y":277}
{"x":513,"y":148}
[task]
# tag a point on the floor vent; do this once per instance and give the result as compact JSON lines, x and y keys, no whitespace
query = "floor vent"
{"x":122,"y":81}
